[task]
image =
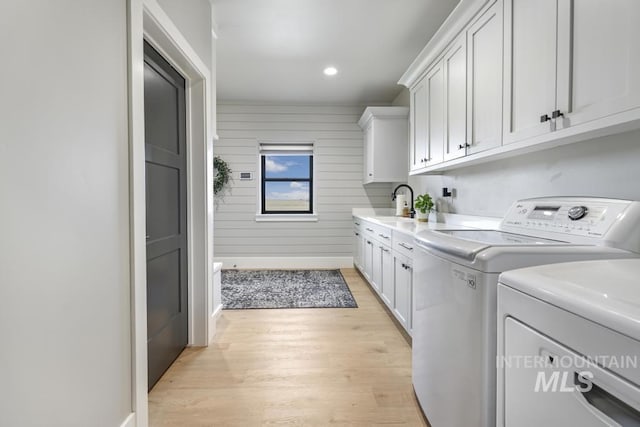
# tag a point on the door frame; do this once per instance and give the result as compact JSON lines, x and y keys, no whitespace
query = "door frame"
{"x":148,"y":21}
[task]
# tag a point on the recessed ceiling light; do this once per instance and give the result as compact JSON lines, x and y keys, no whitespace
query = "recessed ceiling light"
{"x":330,"y":71}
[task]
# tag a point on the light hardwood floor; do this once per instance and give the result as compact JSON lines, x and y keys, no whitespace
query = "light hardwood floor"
{"x":298,"y":367}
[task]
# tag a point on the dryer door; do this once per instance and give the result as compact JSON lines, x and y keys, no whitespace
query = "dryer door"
{"x":545,"y":383}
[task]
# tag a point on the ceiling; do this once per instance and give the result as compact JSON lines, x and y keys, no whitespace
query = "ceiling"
{"x":274,"y":51}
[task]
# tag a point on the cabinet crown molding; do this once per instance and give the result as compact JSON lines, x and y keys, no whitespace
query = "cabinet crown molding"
{"x":448,"y":31}
{"x":382,"y":112}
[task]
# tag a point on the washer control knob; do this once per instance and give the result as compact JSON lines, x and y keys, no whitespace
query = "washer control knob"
{"x":577,"y":212}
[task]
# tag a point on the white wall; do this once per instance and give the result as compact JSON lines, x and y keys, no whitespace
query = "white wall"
{"x":338,"y":166}
{"x":603,"y":167}
{"x":64,"y":187}
{"x":193,"y":19}
{"x":64,"y":251}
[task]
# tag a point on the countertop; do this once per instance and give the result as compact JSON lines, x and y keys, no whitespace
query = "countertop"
{"x":411,"y":226}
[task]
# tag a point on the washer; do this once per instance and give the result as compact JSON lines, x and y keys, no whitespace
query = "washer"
{"x":569,"y":345}
{"x":455,"y":280}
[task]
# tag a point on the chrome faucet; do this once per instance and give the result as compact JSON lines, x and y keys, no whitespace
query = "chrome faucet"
{"x":412,"y":212}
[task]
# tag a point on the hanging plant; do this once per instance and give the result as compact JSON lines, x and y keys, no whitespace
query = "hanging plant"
{"x":223,"y":174}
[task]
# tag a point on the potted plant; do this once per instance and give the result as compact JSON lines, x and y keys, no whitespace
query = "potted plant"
{"x":423,"y":205}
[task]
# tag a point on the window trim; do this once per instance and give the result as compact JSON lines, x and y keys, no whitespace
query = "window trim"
{"x":263,"y":213}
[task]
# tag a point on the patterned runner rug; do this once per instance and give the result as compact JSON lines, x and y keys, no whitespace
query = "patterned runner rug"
{"x":243,"y":289}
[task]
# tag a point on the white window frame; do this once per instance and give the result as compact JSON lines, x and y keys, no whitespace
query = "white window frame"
{"x":283,"y":148}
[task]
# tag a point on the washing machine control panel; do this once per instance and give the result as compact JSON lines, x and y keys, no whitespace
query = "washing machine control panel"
{"x":579,"y":217}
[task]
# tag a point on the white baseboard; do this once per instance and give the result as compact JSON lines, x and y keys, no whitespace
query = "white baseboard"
{"x":286,"y":262}
{"x":130,"y":421}
{"x":213,"y":320}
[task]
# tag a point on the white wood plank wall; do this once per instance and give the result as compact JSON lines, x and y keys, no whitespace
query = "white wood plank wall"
{"x":338,"y":173}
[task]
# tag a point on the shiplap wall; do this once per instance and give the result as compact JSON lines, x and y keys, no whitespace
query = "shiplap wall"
{"x":241,"y":241}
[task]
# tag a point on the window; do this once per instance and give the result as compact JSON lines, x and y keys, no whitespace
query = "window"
{"x":286,"y":178}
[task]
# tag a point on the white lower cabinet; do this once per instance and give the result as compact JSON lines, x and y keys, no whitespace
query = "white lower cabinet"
{"x":376,"y":274}
{"x":368,"y":260}
{"x":357,"y":249}
{"x":384,"y":259}
{"x":382,"y":275}
{"x":403,"y":290}
{"x":387,"y":282}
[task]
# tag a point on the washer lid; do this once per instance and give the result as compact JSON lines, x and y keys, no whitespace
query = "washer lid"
{"x":467,"y":244}
{"x":604,"y":291}
{"x":499,"y":238}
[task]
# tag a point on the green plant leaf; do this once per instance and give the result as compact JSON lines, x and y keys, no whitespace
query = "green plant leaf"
{"x":424,"y":203}
{"x":223,"y":174}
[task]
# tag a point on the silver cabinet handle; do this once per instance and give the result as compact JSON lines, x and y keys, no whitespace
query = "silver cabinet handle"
{"x":383,"y":236}
{"x":356,"y":223}
{"x":405,"y":246}
{"x":369,"y":229}
{"x":383,"y":249}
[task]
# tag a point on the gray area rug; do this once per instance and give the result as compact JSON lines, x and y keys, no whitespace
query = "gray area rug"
{"x":242,"y":289}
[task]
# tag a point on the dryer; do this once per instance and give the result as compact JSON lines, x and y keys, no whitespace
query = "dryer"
{"x":455,"y":280}
{"x":569,"y":345}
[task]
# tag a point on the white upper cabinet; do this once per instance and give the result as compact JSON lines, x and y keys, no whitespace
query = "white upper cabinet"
{"x":426,"y":144}
{"x":530,"y":67}
{"x":484,"y":84}
{"x":568,"y":63}
{"x":503,"y":77}
{"x":455,"y":72}
{"x":436,"y":115}
{"x":418,"y":126}
{"x":599,"y":67}
{"x":385,"y":144}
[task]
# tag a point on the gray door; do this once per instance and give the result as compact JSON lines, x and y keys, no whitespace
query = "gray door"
{"x":166,"y":190}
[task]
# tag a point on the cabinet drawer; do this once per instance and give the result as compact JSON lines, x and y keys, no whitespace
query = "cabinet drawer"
{"x":377,"y":232}
{"x":403,"y":244}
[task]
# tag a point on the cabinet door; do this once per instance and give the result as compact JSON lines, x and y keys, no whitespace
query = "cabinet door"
{"x":484,"y":64}
{"x":599,"y":59}
{"x":376,"y":273}
{"x":403,"y":279}
{"x":368,"y":259}
{"x":455,"y":72}
{"x":357,"y":249}
{"x":363,"y":254}
{"x":418,"y":122}
{"x":530,"y":67}
{"x":368,"y":154}
{"x":436,"y":114}
{"x":387,"y":284}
